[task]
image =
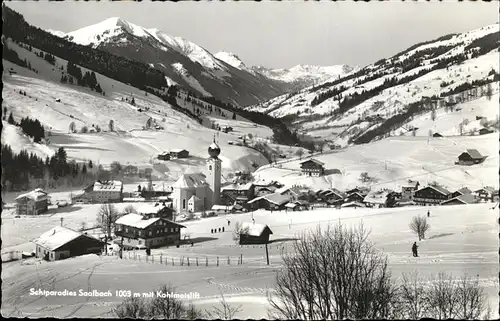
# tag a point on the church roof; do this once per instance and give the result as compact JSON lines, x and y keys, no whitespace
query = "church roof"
{"x":190,"y":181}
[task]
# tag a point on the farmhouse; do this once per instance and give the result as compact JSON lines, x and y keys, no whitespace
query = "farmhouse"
{"x":238,"y":193}
{"x":61,"y":243}
{"x":376,"y":199}
{"x":271,"y":202}
{"x":462,"y":191}
{"x":293,"y":193}
{"x":299,"y":205}
{"x":408,"y":190}
{"x":312,"y":167}
{"x":461,"y":200}
{"x":164,"y":156}
{"x":332,"y":196}
{"x":138,"y":231}
{"x":470,"y":157}
{"x":264,"y":190}
{"x":179,"y":153}
{"x":431,"y":195}
{"x":487,"y":194}
{"x":355,"y":196}
{"x":252,"y":233}
{"x":32,"y":203}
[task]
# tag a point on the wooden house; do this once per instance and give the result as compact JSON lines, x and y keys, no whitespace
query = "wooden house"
{"x":264,"y":190}
{"x":164,"y":156}
{"x":312,"y":167}
{"x":179,"y":153}
{"x":431,"y":195}
{"x":155,"y":210}
{"x":462,"y":199}
{"x":61,"y":243}
{"x":138,"y":231}
{"x":470,"y":157}
{"x":376,"y":199}
{"x":293,"y":193}
{"x":298,"y":205}
{"x":332,"y":196}
{"x":240,"y":194}
{"x":271,"y":202}
{"x":462,"y":191}
{"x":252,"y":233}
{"x":355,"y":197}
{"x":487,"y":194}
{"x":408,"y":190}
{"x":33,"y":203}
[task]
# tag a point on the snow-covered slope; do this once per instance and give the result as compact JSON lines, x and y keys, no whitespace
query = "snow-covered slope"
{"x":232,"y":59}
{"x":56,"y":105}
{"x":376,"y":100}
{"x":203,"y":73}
{"x":302,"y":76}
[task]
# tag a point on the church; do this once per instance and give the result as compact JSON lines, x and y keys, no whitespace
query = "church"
{"x":197,"y":192}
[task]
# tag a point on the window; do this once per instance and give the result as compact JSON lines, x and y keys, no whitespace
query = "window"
{"x":150,"y":233}
{"x":210,"y":167}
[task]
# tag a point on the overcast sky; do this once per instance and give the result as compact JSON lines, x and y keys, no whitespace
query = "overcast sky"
{"x":280,"y":34}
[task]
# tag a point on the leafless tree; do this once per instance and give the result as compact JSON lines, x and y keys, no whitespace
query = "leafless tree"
{"x":441,"y":297}
{"x":333,"y":274}
{"x":413,"y":303}
{"x":419,"y":226}
{"x":470,"y":299}
{"x":132,"y":308}
{"x":238,"y":230}
{"x":106,"y":218}
{"x":225,"y":312}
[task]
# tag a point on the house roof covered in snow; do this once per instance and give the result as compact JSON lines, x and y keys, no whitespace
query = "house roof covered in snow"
{"x":36,"y":195}
{"x":488,"y":189}
{"x":353,"y":204}
{"x":314,"y":160}
{"x":57,"y":237}
{"x":136,"y":220}
{"x":465,"y":199}
{"x":439,"y":189}
{"x":190,"y":181}
{"x":410,"y":183}
{"x":464,"y":190}
{"x":149,"y":208}
{"x":253,"y":229}
{"x":275,"y":198}
{"x":378,"y":197}
{"x":474,"y":153}
{"x":108,"y":186}
{"x":177,"y":150}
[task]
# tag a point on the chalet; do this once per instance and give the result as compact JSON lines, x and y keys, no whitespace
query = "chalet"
{"x":376,"y":199}
{"x":164,"y":156}
{"x":408,"y":190}
{"x":298,"y":205}
{"x":271,"y":202}
{"x":264,"y":190}
{"x":312,"y":167}
{"x":238,"y":193}
{"x":293,"y":193}
{"x":487,"y":194}
{"x":61,"y":243}
{"x":470,"y":157}
{"x":461,"y":200}
{"x":137,"y":231}
{"x":252,"y":233}
{"x":33,"y":203}
{"x":155,"y":210}
{"x":332,"y":196}
{"x":179,"y":153}
{"x":437,"y":135}
{"x":462,"y":191}
{"x":431,"y":195}
{"x":355,"y":197}
{"x":484,"y":131}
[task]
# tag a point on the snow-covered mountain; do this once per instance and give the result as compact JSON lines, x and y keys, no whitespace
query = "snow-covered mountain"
{"x":233,"y":60}
{"x":183,"y":62}
{"x":58,"y":33}
{"x":382,"y":98}
{"x":302,"y":76}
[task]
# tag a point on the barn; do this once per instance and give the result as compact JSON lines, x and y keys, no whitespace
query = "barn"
{"x":252,"y":233}
{"x":61,"y":243}
{"x":470,"y":157}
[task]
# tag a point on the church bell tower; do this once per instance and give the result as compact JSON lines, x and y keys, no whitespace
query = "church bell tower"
{"x":214,"y":174}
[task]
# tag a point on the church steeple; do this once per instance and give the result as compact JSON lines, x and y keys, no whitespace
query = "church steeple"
{"x":214,"y":149}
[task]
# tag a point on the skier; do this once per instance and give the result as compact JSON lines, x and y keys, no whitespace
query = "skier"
{"x":428,"y":213}
{"x":414,"y":249}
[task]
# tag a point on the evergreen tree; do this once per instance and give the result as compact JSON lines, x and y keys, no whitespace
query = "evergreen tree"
{"x":11,"y":119}
{"x":91,"y":165}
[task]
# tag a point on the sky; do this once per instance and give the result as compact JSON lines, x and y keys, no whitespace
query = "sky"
{"x":280,"y":34}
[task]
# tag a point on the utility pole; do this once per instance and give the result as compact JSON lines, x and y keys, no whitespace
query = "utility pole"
{"x":267,"y":254}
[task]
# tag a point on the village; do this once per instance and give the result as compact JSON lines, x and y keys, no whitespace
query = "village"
{"x":156,"y":214}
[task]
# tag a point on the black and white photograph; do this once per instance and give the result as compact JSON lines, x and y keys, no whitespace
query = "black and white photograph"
{"x":276,"y":160}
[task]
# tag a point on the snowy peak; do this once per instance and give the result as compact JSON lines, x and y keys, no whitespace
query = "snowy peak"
{"x":231,"y":59}
{"x":105,"y":30}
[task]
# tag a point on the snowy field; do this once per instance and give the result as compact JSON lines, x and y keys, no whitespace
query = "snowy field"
{"x":394,"y":160}
{"x":129,"y":144}
{"x":462,"y":240}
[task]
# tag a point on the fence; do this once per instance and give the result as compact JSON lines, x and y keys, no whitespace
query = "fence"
{"x":194,"y":261}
